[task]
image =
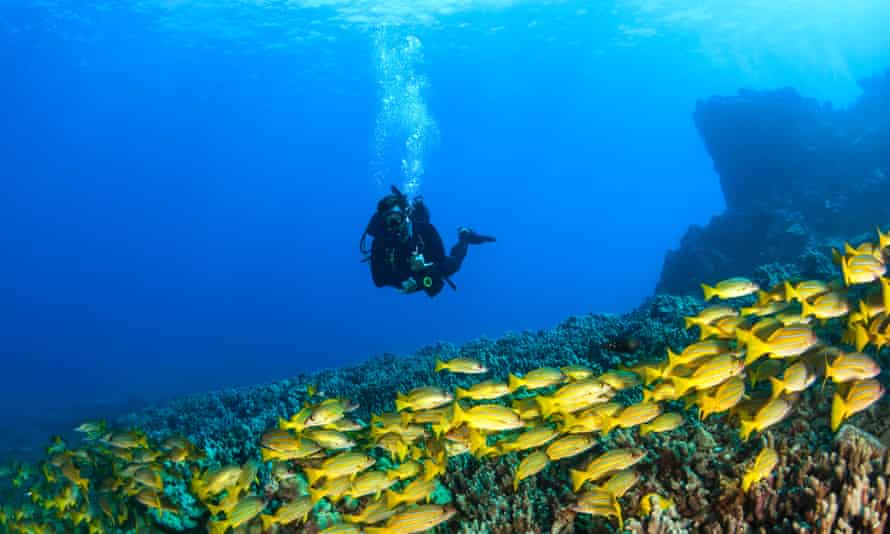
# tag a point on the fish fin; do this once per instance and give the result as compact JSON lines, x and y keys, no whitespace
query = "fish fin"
{"x":617,"y":507}
{"x":844,"y":271}
{"x":838,"y":411}
{"x":790,"y":292}
{"x":708,"y":291}
{"x":836,"y":257}
{"x":513,"y":382}
{"x":313,"y":475}
{"x":754,"y":349}
{"x":848,"y":250}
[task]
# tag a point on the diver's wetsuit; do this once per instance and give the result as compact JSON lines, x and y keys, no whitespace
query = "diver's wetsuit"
{"x":390,"y":259}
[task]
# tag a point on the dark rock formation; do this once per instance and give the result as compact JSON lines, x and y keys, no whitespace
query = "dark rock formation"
{"x":795,"y":173}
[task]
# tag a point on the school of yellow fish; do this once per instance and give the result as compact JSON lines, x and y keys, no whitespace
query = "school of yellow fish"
{"x":118,"y":479}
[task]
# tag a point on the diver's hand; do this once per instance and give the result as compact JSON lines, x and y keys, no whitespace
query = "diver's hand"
{"x":418,"y":263}
{"x":409,"y":286}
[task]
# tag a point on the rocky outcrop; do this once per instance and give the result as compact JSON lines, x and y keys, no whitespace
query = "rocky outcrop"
{"x":796,"y":174}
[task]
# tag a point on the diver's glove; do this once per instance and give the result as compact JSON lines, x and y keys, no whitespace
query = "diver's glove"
{"x":471,"y":237}
{"x":409,"y":286}
{"x":418,"y":263}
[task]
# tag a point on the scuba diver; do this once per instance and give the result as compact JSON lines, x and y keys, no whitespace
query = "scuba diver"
{"x":407,"y":251}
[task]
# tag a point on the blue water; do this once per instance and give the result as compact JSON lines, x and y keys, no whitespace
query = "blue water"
{"x":184,"y":183}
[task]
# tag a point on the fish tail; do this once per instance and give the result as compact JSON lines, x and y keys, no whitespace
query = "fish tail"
{"x":790,"y":292}
{"x":681,"y":385}
{"x":845,"y":270}
{"x":645,"y":428}
{"x":838,"y":411}
{"x":478,"y":443}
{"x":836,"y":257}
{"x":862,"y":338}
{"x":689,"y":322}
{"x":747,"y":427}
{"x":401,"y":403}
{"x":267,"y":520}
{"x":458,"y":415}
{"x":617,"y":508}
{"x":885,"y":292}
{"x":461,"y":393}
{"x":708,"y":291}
{"x":217,"y":527}
{"x":883,"y":239}
{"x":747,"y":480}
{"x":513,"y":382}
{"x":439,"y":365}
{"x":707,"y":331}
{"x":546,"y":405}
{"x":777,"y":387}
{"x":515,"y":482}
{"x":754,"y":349}
{"x":393,"y":499}
{"x":806,"y":309}
{"x":673,"y":361}
{"x":578,"y":479}
{"x":313,"y":475}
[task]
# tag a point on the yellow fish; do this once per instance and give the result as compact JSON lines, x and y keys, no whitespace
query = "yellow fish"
{"x":851,"y":366}
{"x":785,"y":342}
{"x":415,"y":519}
{"x":694,"y":354}
{"x":575,"y":396}
{"x":342,"y":528}
{"x":827,"y":306}
{"x":714,"y":372}
{"x":619,"y":380}
{"x":730,"y":288}
{"x":606,"y":464}
{"x":631,"y":416}
{"x":373,"y":512}
{"x":409,"y":469}
{"x":724,"y":397}
{"x":860,"y":395}
{"x":537,"y":379}
{"x":423,"y":398}
{"x":328,"y":412}
{"x":295,"y":510}
{"x":297,"y":422}
{"x":769,"y":414}
{"x":803,"y":291}
{"x":663,"y":391}
{"x":332,"y":489}
{"x":530,"y":439}
{"x":488,"y":417}
{"x":331,"y":440}
{"x":570,"y":445}
{"x":761,"y":468}
{"x":601,"y":503}
{"x":724,"y":328}
{"x":343,"y":464}
{"x":418,"y":490}
{"x":531,"y":465}
{"x":593,"y":419}
{"x":619,"y":483}
{"x":651,"y":501}
{"x":487,"y":390}
{"x":862,"y":269}
{"x":461,"y":365}
{"x":577,"y":372}
{"x":663,"y":423}
{"x":764,"y":370}
{"x":710,"y":315}
{"x":528,"y":408}
{"x":768,"y":308}
{"x":797,"y":378}
{"x":370,"y":483}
